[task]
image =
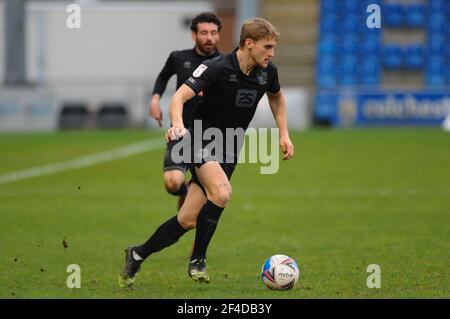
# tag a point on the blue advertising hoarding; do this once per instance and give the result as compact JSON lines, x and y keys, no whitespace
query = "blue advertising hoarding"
{"x":382,"y":108}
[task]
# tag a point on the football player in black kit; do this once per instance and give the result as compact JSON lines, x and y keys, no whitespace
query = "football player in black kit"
{"x":232,"y":86}
{"x":205,"y":29}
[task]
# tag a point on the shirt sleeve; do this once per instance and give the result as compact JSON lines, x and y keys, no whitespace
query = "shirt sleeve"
{"x":164,"y":76}
{"x":202,"y":77}
{"x":274,"y":86}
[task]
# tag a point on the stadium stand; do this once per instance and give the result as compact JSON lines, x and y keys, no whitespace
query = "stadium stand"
{"x":350,"y":55}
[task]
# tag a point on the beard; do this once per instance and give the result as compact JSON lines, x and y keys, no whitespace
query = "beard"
{"x":206,"y":48}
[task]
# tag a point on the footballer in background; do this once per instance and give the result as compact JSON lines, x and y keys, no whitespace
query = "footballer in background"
{"x":205,"y":29}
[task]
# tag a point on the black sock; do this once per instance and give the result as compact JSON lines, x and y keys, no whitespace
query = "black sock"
{"x":182,"y":191}
{"x":166,"y":235}
{"x":207,"y":221}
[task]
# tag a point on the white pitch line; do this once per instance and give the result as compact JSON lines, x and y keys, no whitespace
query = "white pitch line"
{"x":83,"y":161}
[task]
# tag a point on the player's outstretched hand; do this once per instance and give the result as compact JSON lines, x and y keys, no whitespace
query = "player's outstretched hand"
{"x":175,"y":133}
{"x":287,"y":148}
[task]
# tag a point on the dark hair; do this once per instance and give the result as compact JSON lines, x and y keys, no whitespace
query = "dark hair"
{"x":205,"y":17}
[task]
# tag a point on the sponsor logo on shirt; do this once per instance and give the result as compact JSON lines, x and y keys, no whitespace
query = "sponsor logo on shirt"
{"x":233,"y":78}
{"x":245,"y":98}
{"x":199,"y":71}
{"x":187,"y":64}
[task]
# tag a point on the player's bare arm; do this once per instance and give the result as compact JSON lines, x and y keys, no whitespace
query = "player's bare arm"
{"x":155,"y":109}
{"x":177,"y":130}
{"x":277,"y":104}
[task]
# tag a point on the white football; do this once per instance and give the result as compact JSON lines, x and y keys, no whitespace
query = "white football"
{"x":280,"y":272}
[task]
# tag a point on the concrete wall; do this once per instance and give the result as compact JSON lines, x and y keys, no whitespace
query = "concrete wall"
{"x":119,"y":40}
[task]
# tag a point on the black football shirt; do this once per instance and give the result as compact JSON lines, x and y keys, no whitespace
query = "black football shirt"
{"x":182,"y":63}
{"x":230,"y":97}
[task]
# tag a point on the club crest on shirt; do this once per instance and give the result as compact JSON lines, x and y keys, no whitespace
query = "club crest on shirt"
{"x":199,"y":71}
{"x":262,"y":77}
{"x":187,"y":64}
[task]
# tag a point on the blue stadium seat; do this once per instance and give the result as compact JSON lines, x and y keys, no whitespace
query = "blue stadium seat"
{"x":436,"y":64}
{"x":370,"y":71}
{"x":352,"y":5}
{"x":392,"y":56}
{"x":348,"y":79}
{"x":327,"y":81}
{"x":394,"y":15}
{"x":326,"y":65}
{"x":348,"y":64}
{"x":448,"y":75}
{"x":327,"y":59}
{"x":447,"y":9}
{"x":368,"y":2}
{"x":328,"y":45}
{"x":371,"y":45}
{"x":438,"y":15}
{"x":371,"y":65}
{"x":435,"y":79}
{"x":340,"y":9}
{"x":437,"y":5}
{"x":414,"y":57}
{"x":437,"y":23}
{"x":329,"y":6}
{"x":348,"y":70}
{"x":349,"y":45}
{"x":351,"y":24}
{"x":346,"y":25}
{"x":370,"y":79}
{"x":447,"y":52}
{"x":328,"y":23}
{"x":436,"y":44}
{"x":326,"y":70}
{"x":416,"y":15}
{"x":435,"y":73}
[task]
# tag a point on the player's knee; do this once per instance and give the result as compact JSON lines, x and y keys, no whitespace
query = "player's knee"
{"x":221,"y":195}
{"x":187,"y":223}
{"x":172,"y":185}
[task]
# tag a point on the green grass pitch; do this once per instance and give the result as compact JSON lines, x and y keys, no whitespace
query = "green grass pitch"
{"x":348,"y":199}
